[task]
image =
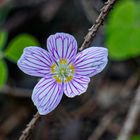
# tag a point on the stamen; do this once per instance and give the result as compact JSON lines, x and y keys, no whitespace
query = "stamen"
{"x":62,"y":71}
{"x":71,"y":68}
{"x":69,"y":78}
{"x":53,"y":68}
{"x":63,"y":61}
{"x":58,"y":79}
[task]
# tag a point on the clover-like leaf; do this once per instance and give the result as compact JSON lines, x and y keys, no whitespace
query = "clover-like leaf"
{"x":123,"y":31}
{"x":3,"y":73}
{"x":16,"y":46}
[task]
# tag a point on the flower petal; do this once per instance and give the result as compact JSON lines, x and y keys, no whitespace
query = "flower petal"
{"x":77,"y":86}
{"x":62,"y":45}
{"x":47,"y":94}
{"x":35,"y":61}
{"x":91,"y":61}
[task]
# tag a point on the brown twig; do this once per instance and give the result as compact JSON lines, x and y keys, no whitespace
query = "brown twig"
{"x":13,"y":120}
{"x":93,"y":30}
{"x":30,"y":126}
{"x":106,"y":120}
{"x":132,"y":117}
{"x":89,"y":37}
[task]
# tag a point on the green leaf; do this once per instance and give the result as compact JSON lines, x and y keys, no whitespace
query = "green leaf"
{"x":3,"y":38}
{"x":3,"y":73}
{"x":16,"y":46}
{"x":123,"y":31}
{"x":135,"y":137}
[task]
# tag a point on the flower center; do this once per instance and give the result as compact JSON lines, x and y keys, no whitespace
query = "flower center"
{"x":62,"y":71}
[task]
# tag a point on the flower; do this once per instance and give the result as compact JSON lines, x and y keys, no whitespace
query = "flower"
{"x":62,"y":71}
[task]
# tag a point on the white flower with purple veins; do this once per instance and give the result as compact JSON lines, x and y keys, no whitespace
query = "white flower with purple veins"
{"x":62,"y":71}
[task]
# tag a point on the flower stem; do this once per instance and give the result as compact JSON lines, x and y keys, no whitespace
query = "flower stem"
{"x":26,"y":132}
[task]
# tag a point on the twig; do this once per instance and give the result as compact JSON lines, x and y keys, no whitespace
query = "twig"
{"x":30,"y":126}
{"x":14,"y":120}
{"x":130,"y":84}
{"x":15,"y":92}
{"x":93,"y":30}
{"x":105,"y":122}
{"x":131,"y":118}
{"x":89,"y":37}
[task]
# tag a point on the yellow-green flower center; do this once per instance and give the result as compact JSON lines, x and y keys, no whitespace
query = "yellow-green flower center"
{"x":62,"y":71}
